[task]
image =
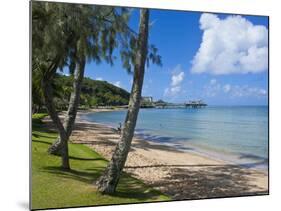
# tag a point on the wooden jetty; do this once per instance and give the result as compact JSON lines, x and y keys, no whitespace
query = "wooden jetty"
{"x":195,"y":104}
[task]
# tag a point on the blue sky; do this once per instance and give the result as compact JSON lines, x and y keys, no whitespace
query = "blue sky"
{"x":230,"y":68}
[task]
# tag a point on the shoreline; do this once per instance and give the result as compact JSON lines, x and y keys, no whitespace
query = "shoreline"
{"x":220,"y":156}
{"x":168,"y":169}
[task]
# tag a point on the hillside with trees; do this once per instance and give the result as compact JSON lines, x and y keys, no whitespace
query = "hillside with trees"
{"x":102,"y":93}
{"x":94,"y":93}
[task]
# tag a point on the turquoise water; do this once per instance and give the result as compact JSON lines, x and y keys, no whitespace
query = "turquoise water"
{"x":237,"y":134}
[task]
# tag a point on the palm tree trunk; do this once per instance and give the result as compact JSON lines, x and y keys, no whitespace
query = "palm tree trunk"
{"x":107,"y":183}
{"x":48,"y":96}
{"x":56,"y":147}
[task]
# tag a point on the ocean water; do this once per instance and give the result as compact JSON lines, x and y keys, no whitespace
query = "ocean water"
{"x":237,"y":134}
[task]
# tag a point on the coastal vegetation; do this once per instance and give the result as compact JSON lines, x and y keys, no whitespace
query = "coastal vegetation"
{"x":87,"y":33}
{"x":94,"y":93}
{"x":53,"y":187}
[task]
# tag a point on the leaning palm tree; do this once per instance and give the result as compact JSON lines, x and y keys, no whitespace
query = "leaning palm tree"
{"x":107,"y":183}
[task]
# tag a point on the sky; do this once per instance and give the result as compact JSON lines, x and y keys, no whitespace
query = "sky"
{"x":219,"y":58}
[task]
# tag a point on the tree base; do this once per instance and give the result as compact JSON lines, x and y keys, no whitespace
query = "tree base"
{"x":105,"y":185}
{"x":66,"y":168}
{"x":55,"y":149}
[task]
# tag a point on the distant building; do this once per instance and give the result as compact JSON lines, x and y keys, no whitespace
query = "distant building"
{"x":146,"y":99}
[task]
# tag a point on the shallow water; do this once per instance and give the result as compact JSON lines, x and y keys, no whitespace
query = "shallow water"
{"x":237,"y":134}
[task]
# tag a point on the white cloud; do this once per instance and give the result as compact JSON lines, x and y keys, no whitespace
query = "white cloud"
{"x":213,"y":81}
{"x":99,"y":78}
{"x":172,"y":91}
{"x":176,"y":80}
{"x":227,"y":88}
{"x":262,"y":92}
{"x":213,"y":89}
{"x":117,"y":83}
{"x":231,"y":45}
{"x":246,"y":91}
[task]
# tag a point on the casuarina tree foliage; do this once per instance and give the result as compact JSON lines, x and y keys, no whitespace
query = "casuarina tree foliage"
{"x":70,"y":35}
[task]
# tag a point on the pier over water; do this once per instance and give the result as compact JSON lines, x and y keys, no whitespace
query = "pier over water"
{"x":189,"y":104}
{"x":195,"y":104}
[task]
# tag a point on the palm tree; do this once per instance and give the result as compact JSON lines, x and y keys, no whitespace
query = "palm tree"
{"x":107,"y":183}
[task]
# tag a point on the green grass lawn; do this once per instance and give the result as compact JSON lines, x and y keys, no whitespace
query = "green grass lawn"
{"x":53,"y":187}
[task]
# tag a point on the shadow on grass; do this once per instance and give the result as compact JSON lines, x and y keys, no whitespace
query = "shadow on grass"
{"x":128,"y":187}
{"x":42,"y":142}
{"x":82,"y":176}
{"x":42,"y":128}
{"x":86,"y":159}
{"x":40,"y":135}
{"x":40,"y":125}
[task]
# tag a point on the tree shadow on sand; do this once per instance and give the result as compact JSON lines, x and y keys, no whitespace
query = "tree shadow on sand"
{"x":148,"y":146}
{"x":207,"y":181}
{"x":83,"y":126}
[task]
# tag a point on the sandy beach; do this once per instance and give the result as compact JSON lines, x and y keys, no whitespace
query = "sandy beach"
{"x":179,"y":174}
